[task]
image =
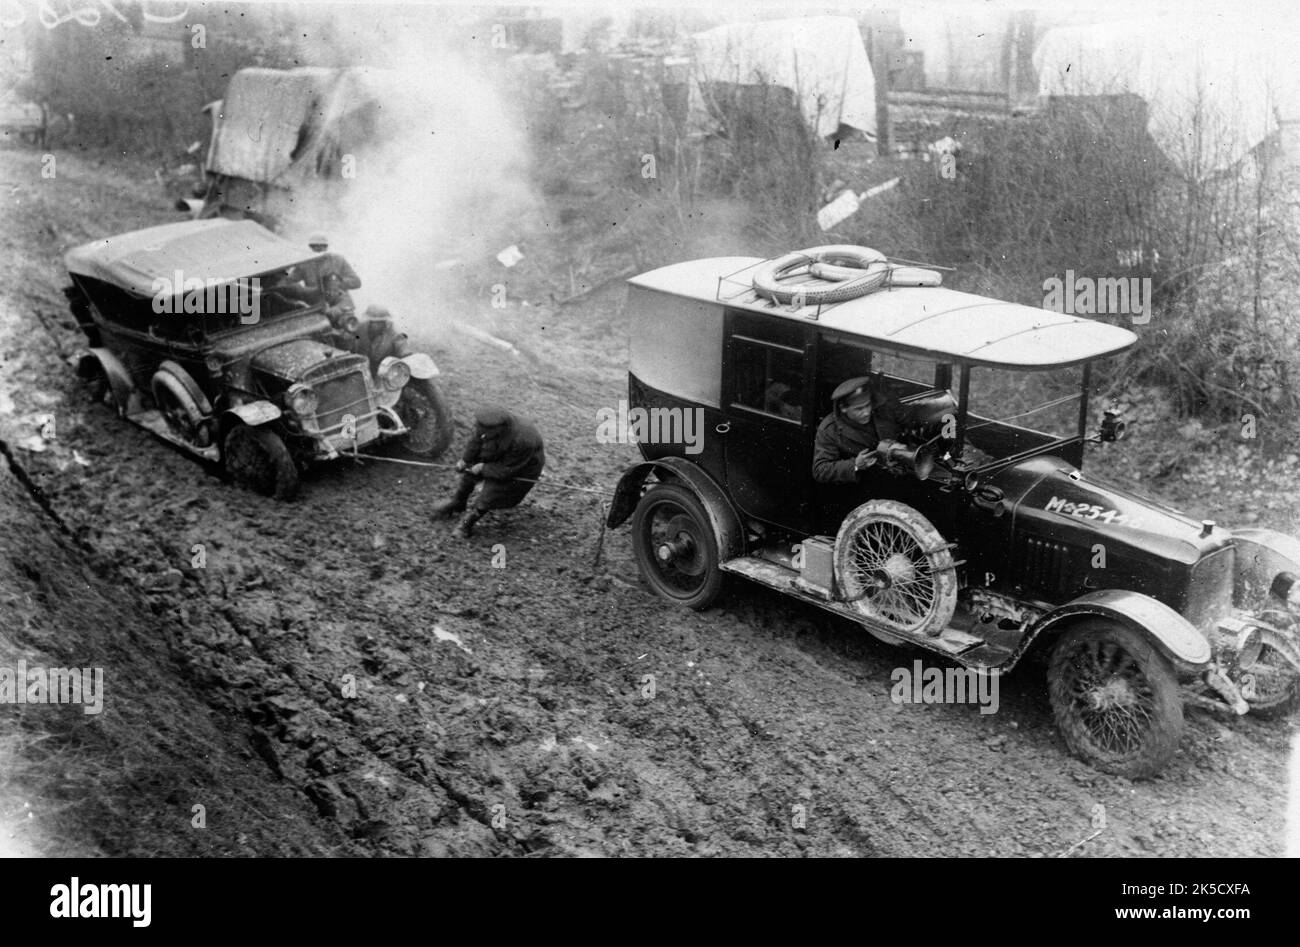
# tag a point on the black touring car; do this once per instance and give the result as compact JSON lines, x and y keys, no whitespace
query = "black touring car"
{"x":221,"y":337}
{"x":977,"y":536}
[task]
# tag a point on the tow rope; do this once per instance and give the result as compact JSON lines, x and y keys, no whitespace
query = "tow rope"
{"x":425,"y":463}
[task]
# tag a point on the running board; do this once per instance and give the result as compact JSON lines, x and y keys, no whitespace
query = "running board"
{"x":154,"y":422}
{"x":954,"y":642}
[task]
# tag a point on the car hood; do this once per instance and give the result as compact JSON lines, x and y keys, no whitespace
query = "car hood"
{"x":292,"y":360}
{"x":1052,"y":498}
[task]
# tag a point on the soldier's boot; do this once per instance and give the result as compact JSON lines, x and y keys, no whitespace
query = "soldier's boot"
{"x":465,"y":528}
{"x":458,"y":500}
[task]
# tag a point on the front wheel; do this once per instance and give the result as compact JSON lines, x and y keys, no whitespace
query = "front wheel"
{"x":423,"y":410}
{"x":1270,"y":685}
{"x":1115,"y":699}
{"x":257,"y":458}
{"x":676,"y":547}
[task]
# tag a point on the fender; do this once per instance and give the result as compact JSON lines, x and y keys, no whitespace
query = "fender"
{"x":422,"y":366}
{"x":1175,"y":637}
{"x":1262,"y":554}
{"x":189,"y":384}
{"x":251,"y":413}
{"x":119,"y":380}
{"x":724,"y":519}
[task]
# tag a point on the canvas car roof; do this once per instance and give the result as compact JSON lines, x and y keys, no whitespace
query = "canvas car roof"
{"x":219,"y":250}
{"x":939,"y":323}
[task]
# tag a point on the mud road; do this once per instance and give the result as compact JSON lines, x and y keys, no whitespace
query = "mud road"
{"x":551,"y":706}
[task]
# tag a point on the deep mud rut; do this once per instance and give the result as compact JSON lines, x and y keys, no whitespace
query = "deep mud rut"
{"x":509,"y":710}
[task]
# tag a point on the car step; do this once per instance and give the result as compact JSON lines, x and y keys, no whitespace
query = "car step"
{"x":953,"y":641}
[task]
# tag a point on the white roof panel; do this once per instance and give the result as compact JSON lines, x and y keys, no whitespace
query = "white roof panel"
{"x":934,"y":321}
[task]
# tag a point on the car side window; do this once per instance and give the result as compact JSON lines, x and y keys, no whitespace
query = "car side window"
{"x":118,"y":306}
{"x":767,"y":377}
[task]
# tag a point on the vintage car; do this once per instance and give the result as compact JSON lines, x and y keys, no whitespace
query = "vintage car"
{"x":977,"y":536}
{"x":220,"y":337}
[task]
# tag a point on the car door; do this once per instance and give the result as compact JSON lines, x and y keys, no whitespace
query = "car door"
{"x":767,"y":362}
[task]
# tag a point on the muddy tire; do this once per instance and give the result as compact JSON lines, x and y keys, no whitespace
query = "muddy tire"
{"x":178,"y":405}
{"x":423,"y":409}
{"x":95,"y":386}
{"x":1115,"y":699}
{"x":258,"y":459}
{"x":676,"y":547}
{"x":1274,"y":687}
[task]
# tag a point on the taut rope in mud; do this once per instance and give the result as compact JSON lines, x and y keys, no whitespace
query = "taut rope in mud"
{"x":427,"y":463}
{"x":600,"y":539}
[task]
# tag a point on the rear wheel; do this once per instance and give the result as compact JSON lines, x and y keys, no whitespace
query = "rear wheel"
{"x":256,"y":458}
{"x":1115,"y":698}
{"x":423,"y":410}
{"x":94,"y":382}
{"x":676,"y":547}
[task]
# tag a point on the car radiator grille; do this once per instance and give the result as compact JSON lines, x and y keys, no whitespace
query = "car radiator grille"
{"x":1209,"y":589}
{"x":341,"y":396}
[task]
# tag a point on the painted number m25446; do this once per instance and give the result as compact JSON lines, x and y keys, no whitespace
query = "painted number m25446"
{"x":1090,"y":511}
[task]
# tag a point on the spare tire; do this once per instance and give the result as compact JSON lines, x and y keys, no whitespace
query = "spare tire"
{"x":842,"y":258}
{"x":895,"y":569}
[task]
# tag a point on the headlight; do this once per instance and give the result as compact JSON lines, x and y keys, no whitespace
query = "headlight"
{"x":1286,"y":587}
{"x":302,"y":401}
{"x":394,"y":373}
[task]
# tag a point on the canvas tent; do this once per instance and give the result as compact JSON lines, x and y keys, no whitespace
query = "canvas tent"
{"x":820,"y":59}
{"x":1214,"y":90}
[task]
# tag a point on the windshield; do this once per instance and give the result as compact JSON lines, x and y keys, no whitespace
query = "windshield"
{"x":1010,"y":412}
{"x":269,"y":296}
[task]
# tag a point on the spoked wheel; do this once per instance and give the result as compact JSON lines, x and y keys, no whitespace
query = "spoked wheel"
{"x":894,"y":567}
{"x":676,"y":547}
{"x":423,"y":409}
{"x":178,"y":406}
{"x":1115,"y":699}
{"x":256,"y":458}
{"x":1269,"y":683}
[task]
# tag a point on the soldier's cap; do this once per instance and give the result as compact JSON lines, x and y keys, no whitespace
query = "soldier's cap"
{"x":855,"y":390}
{"x":491,"y":416}
{"x":318,"y":240}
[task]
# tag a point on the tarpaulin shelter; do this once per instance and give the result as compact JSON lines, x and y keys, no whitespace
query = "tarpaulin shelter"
{"x":277,"y":125}
{"x":820,"y":59}
{"x":1214,"y":89}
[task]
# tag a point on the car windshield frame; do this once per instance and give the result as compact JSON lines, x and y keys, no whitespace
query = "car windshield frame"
{"x":1051,"y":442}
{"x":313,"y":285}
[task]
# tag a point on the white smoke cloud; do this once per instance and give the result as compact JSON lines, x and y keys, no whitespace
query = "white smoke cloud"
{"x":445,"y":176}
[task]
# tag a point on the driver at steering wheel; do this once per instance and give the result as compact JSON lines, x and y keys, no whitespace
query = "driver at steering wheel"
{"x":848,"y":437}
